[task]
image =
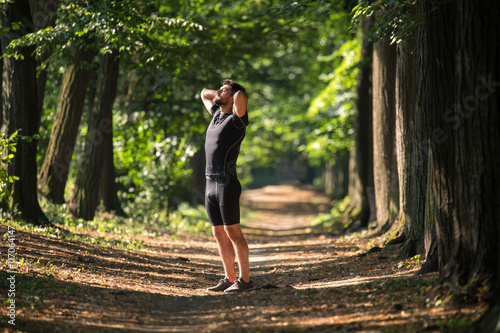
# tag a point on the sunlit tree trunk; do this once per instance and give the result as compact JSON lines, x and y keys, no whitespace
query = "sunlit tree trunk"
{"x":384,"y":155}
{"x":416,"y":199}
{"x":20,"y":113}
{"x":85,"y":198}
{"x":361,"y":153}
{"x":413,"y":228}
{"x":70,"y":103}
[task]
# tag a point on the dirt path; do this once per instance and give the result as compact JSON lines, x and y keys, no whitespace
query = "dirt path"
{"x":305,"y":281}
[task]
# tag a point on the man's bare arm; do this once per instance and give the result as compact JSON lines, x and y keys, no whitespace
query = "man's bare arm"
{"x":240,"y":101}
{"x":207,"y":96}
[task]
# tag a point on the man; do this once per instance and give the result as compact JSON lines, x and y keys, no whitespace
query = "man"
{"x":228,"y":107}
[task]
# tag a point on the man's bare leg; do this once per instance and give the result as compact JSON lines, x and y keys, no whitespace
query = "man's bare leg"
{"x":241,"y":247}
{"x":226,"y":252}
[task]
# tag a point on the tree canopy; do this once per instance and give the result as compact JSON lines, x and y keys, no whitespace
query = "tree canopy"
{"x":293,"y":57}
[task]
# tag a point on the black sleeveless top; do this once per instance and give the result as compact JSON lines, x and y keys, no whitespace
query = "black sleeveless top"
{"x":222,"y":143}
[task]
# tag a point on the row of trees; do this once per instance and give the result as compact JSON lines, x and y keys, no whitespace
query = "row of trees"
{"x":116,"y":120}
{"x":427,"y":140}
{"x":43,"y":34}
{"x":409,"y":121}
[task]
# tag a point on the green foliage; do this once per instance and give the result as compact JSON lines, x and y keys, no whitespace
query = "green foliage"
{"x":8,"y":145}
{"x":67,"y":227}
{"x":411,"y":263}
{"x":70,"y":289}
{"x":189,"y":219}
{"x":292,"y":72}
{"x":125,"y":25}
{"x":330,"y":115}
{"x":332,"y":220}
{"x":126,"y":231}
{"x":394,"y":19}
{"x":153,"y":164}
{"x":285,"y":54}
{"x":457,"y":324}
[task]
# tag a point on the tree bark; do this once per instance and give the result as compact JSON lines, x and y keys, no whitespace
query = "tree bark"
{"x":464,"y":118}
{"x":412,"y":151}
{"x":1,"y":72}
{"x":465,"y":163}
{"x":20,"y":112}
{"x":384,"y":157}
{"x":431,"y":254}
{"x":337,"y":175}
{"x":404,"y":67}
{"x":198,"y":179}
{"x":108,"y":192}
{"x":85,"y":198}
{"x":41,"y":11}
{"x":420,"y":221}
{"x":70,"y":103}
{"x":361,"y":153}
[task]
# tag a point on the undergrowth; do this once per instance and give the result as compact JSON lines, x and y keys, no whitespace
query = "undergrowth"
{"x":335,"y":219}
{"x":186,"y":219}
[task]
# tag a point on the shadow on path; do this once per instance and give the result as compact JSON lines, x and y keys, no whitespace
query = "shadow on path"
{"x":305,"y":280}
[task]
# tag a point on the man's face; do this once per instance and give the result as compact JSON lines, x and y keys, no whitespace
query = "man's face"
{"x":224,"y":96}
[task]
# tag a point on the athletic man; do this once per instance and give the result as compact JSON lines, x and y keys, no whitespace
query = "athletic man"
{"x":228,"y":107}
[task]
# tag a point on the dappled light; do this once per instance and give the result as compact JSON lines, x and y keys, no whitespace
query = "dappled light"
{"x":250,"y":166}
{"x":305,"y":279}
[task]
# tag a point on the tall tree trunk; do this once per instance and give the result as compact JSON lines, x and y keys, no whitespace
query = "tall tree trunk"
{"x":20,"y":112}
{"x":413,"y":228}
{"x":465,"y":163}
{"x":108,"y":192}
{"x":85,"y":198}
{"x":70,"y":103}
{"x":464,"y":116}
{"x":361,"y":153}
{"x":384,"y":157}
{"x":416,"y":200}
{"x":420,"y":226}
{"x":477,"y":143}
{"x":198,"y":180}
{"x":337,"y":175}
{"x":430,"y":236}
{"x":42,"y":12}
{"x":1,"y":70}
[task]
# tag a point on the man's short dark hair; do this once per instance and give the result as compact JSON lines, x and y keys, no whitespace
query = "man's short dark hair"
{"x":235,"y":86}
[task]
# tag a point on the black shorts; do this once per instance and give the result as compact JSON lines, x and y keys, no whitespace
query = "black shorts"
{"x":222,"y":200}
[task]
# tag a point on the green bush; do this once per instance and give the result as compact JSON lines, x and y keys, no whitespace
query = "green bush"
{"x":8,"y":149}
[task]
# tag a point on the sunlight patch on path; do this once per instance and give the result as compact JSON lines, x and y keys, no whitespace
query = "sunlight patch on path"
{"x":356,"y":281}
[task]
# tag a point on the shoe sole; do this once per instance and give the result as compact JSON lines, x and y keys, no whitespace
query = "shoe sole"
{"x":238,"y":291}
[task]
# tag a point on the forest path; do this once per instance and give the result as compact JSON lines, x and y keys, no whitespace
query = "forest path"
{"x":305,"y":279}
